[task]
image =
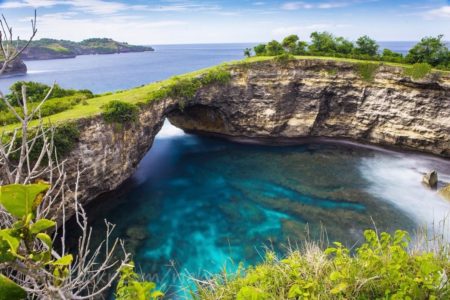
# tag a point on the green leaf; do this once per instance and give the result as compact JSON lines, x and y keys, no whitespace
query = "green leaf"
{"x":339,"y":288}
{"x":41,"y":225}
{"x":66,"y":260}
{"x":5,"y":255}
{"x":46,"y":239}
{"x":12,"y":241}
{"x":157,"y":294}
{"x":9,"y":290}
{"x":20,"y":200}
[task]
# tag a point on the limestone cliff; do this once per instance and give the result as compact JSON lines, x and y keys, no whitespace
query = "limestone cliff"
{"x":273,"y":101}
{"x":326,"y":98}
{"x":15,"y":68}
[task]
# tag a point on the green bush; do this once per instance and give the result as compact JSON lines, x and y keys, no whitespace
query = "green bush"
{"x":37,"y":91}
{"x":50,"y":107}
{"x":367,"y":71}
{"x":219,"y":76}
{"x":418,"y":70}
{"x":284,"y":58}
{"x":381,"y":268}
{"x":117,"y":111}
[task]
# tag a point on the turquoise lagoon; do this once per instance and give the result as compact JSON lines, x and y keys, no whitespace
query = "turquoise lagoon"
{"x":198,"y":205}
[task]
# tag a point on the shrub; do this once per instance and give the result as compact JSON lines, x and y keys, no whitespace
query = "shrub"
{"x":284,"y":58}
{"x":367,"y":71}
{"x":117,"y":111}
{"x":37,"y":91}
{"x":418,"y":70}
{"x":219,"y":76}
{"x":50,"y":107}
{"x":381,"y":268}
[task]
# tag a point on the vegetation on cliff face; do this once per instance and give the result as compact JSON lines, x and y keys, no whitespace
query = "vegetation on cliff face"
{"x":51,"y":48}
{"x":120,"y":112}
{"x":381,"y":268}
{"x":418,"y":70}
{"x":430,"y":50}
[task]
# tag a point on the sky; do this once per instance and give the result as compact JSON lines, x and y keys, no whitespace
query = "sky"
{"x":240,"y":21}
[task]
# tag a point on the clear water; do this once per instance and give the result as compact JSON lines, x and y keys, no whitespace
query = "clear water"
{"x":105,"y":73}
{"x":199,"y":204}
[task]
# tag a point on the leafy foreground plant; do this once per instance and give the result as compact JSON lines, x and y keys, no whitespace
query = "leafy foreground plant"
{"x":381,"y":268}
{"x":26,"y":248}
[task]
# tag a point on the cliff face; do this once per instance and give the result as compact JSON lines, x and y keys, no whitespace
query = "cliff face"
{"x":275,"y":102}
{"x":327,"y":99}
{"x":15,"y":68}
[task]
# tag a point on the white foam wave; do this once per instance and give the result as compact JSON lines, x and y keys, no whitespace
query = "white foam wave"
{"x":397,"y":179}
{"x":169,"y":131}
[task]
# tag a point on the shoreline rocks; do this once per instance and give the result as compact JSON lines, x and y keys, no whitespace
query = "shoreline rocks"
{"x":430,"y":179}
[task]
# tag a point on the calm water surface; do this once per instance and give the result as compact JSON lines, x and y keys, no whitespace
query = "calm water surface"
{"x":197,"y":204}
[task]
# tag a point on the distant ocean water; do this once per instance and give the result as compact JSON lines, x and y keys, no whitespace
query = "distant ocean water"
{"x":104,"y":73}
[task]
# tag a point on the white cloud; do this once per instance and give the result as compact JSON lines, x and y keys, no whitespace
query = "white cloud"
{"x":296,"y":5}
{"x":101,"y":7}
{"x":442,"y":12}
{"x":306,"y":5}
{"x":29,"y":3}
{"x":281,"y":32}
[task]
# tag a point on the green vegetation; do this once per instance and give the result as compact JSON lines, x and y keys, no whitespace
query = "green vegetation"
{"x":131,"y":287}
{"x":37,"y":91}
{"x":367,"y":70}
{"x":184,"y":89}
{"x":381,"y":268}
{"x":51,"y":48}
{"x":120,"y":112}
{"x":431,"y":50}
{"x":64,"y":135}
{"x":284,"y":58}
{"x":60,"y":100}
{"x":17,"y":251}
{"x":418,"y":70}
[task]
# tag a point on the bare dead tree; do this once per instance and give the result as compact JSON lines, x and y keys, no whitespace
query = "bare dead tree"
{"x":94,"y":269}
{"x":10,"y":48}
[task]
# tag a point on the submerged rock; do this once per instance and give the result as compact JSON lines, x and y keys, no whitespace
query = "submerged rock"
{"x":430,"y":179}
{"x":445,"y":192}
{"x":137,"y":233}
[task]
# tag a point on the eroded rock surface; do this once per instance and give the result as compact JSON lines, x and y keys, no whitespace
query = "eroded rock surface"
{"x":275,"y":101}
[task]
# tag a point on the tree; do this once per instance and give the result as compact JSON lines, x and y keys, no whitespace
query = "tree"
{"x":260,"y":49}
{"x":389,"y":55}
{"x":343,"y":46}
{"x":274,"y":48}
{"x":289,"y":43}
{"x":431,"y":50}
{"x":301,"y":48}
{"x":247,"y":52}
{"x":366,"y":46}
{"x":322,"y":42}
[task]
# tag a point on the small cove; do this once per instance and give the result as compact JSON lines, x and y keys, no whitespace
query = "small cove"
{"x":198,"y":204}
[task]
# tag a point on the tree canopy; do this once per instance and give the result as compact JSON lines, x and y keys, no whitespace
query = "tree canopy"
{"x":430,"y":50}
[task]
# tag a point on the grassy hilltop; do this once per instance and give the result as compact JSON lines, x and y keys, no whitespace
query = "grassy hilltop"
{"x":51,"y":48}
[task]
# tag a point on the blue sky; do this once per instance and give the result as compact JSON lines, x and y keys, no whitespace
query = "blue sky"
{"x":195,"y":21}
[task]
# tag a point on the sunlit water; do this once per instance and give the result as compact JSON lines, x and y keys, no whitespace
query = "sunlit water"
{"x":198,"y":204}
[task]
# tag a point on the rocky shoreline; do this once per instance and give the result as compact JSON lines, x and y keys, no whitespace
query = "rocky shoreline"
{"x":17,"y":67}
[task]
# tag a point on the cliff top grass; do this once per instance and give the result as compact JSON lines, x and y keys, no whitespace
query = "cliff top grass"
{"x":147,"y":93}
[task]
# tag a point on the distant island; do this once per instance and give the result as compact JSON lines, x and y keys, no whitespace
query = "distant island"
{"x":55,"y":49}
